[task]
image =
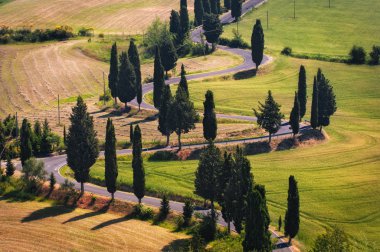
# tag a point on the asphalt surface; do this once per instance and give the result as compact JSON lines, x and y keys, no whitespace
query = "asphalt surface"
{"x":54,"y":163}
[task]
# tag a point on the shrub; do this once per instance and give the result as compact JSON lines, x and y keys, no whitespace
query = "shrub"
{"x":84,"y":32}
{"x":375,"y":55}
{"x":163,"y":156}
{"x":164,"y":209}
{"x":197,"y":244}
{"x":207,"y":228}
{"x":334,"y":240}
{"x":142,"y":213}
{"x":106,"y":97}
{"x":357,"y":55}
{"x":33,"y":174}
{"x":286,"y":51}
{"x":101,"y":35}
{"x":179,"y":221}
{"x":188,"y":210}
{"x":156,"y":34}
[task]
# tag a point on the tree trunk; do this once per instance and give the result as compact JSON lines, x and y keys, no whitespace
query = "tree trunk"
{"x":229,"y":226}
{"x":113,"y":196}
{"x":126,"y":106}
{"x":139,"y":107}
{"x":290,"y":241}
{"x":270,"y":137}
{"x":167,"y":140}
{"x":320,"y":129}
{"x":179,"y":142}
{"x":212,"y":210}
{"x":139,"y":201}
{"x":115,"y":100}
{"x":81,"y":188}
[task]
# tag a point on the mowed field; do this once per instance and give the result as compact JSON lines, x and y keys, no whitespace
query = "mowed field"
{"x":31,"y":226}
{"x":317,"y":29}
{"x":114,"y":16}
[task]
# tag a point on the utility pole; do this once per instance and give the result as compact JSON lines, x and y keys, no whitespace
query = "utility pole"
{"x":59,"y":113}
{"x":294,"y":9}
{"x":104,"y":90}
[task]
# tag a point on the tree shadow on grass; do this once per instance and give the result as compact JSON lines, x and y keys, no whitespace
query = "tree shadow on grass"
{"x":246,"y":74}
{"x":47,"y":212}
{"x":177,"y":245}
{"x":89,"y":214}
{"x":112,"y":222}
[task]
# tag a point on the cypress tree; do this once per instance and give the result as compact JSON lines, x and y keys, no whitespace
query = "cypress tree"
{"x":114,"y":72}
{"x":227,"y":4}
{"x":326,"y":101}
{"x":183,"y":3}
{"x":257,"y":43}
{"x":82,"y":144}
{"x":10,"y":169}
{"x":223,"y":176}
{"x":214,"y":7}
{"x":183,"y":81}
{"x":165,"y":208}
{"x":218,"y":6}
{"x":126,"y":87}
{"x":138,"y":166}
{"x":188,"y":210}
{"x":236,"y":6}
{"x":175,"y":27}
{"x":52,"y":182}
{"x":26,"y":150}
{"x":183,"y":115}
{"x":206,"y":6}
{"x":295,"y":116}
{"x":158,"y":79}
{"x":45,"y":142}
{"x":244,"y":167}
{"x":292,"y":216}
{"x":164,"y":115}
{"x":210,"y":163}
{"x":269,"y":115}
{"x":198,"y":12}
{"x":262,"y":191}
{"x":185,"y":22}
{"x":257,"y":236}
{"x":212,"y":28}
{"x":210,"y":126}
{"x":134,"y":58}
{"x":168,"y":55}
{"x":36,"y":139}
{"x":302,"y":91}
{"x":131,"y":133}
{"x":111,"y":169}
{"x":314,"y":106}
{"x":64,"y":135}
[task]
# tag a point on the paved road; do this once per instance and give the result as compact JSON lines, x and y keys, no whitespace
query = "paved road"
{"x":53,"y":164}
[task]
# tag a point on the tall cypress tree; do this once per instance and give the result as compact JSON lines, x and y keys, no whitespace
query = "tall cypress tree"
{"x":210,"y":126}
{"x":206,"y":6}
{"x":183,"y":81}
{"x":164,"y":115}
{"x":184,"y":17}
{"x":295,"y":116}
{"x":257,"y":43}
{"x":183,"y":3}
{"x":64,"y":135}
{"x":82,"y":144}
{"x":114,"y":72}
{"x":134,"y":58}
{"x":45,"y":142}
{"x":257,"y":236}
{"x":212,"y":28}
{"x":302,"y":91}
{"x":227,"y":4}
{"x":326,"y":101}
{"x":138,"y":166}
{"x":214,"y":7}
{"x":292,"y":216}
{"x":175,"y":27}
{"x":269,"y":116}
{"x":158,"y":79}
{"x":223,"y":176}
{"x":126,"y":87}
{"x":236,"y":6}
{"x":168,"y":55}
{"x":37,"y":136}
{"x":111,"y":170}
{"x":131,"y":133}
{"x":314,"y":106}
{"x":26,"y":150}
{"x":198,"y":12}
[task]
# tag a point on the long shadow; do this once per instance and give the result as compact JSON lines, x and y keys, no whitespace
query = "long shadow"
{"x":246,"y":74}
{"x":112,"y":222}
{"x":88,"y":215}
{"x":177,"y":245}
{"x":146,"y":119}
{"x":47,"y":212}
{"x":281,"y":245}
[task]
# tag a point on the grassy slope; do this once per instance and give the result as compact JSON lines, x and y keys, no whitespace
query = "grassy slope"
{"x":34,"y":226}
{"x":317,"y":29}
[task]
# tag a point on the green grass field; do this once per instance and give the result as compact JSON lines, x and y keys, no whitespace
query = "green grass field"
{"x":316,"y":29}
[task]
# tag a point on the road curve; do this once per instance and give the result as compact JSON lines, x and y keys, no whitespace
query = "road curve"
{"x":54,"y":163}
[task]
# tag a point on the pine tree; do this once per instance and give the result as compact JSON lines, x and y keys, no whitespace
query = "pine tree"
{"x":210,"y":163}
{"x":165,"y":208}
{"x":206,"y":6}
{"x":185,"y":23}
{"x":257,"y":236}
{"x":111,"y":169}
{"x":236,"y":6}
{"x":164,"y":115}
{"x":223,"y":176}
{"x":295,"y":116}
{"x":131,"y":133}
{"x":175,"y":27}
{"x":302,"y":91}
{"x":114,"y":72}
{"x":269,"y":115}
{"x":292,"y":216}
{"x":198,"y":12}
{"x":214,"y":7}
{"x":134,"y":58}
{"x":257,"y":43}
{"x":26,"y":150}
{"x":138,"y":166}
{"x":158,"y":79}
{"x":212,"y":28}
{"x":126,"y":86}
{"x":10,"y":169}
{"x":314,"y":106}
{"x":210,"y":126}
{"x":82,"y":144}
{"x":168,"y":55}
{"x":45,"y":142}
{"x":279,"y":223}
{"x":183,"y":81}
{"x":52,"y":182}
{"x":183,"y":115}
{"x":227,"y":4}
{"x":188,"y":210}
{"x":326,"y":101}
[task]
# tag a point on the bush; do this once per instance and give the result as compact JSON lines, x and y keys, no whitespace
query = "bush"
{"x":334,"y":240}
{"x":164,"y":209}
{"x":207,"y":228}
{"x":33,"y":174}
{"x":188,"y":210}
{"x":142,"y":213}
{"x":286,"y":51}
{"x":197,"y":244}
{"x":357,"y":55}
{"x":101,"y":35}
{"x":106,"y":97}
{"x":163,"y":156}
{"x":84,"y":32}
{"x":375,"y":55}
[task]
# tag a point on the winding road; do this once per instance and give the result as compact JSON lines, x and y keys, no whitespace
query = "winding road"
{"x":54,"y":163}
